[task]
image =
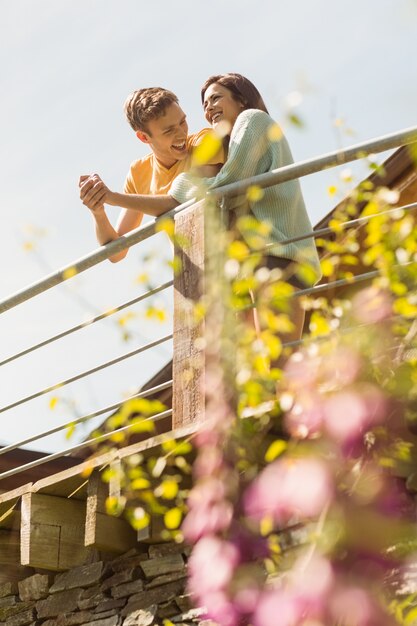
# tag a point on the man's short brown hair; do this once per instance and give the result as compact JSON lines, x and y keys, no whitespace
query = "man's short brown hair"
{"x":147,"y":104}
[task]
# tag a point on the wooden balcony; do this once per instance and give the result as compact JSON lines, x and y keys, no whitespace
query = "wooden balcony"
{"x":54,"y":518}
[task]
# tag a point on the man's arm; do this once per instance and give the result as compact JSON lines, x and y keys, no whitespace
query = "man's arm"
{"x":128,"y":220}
{"x":94,"y":193}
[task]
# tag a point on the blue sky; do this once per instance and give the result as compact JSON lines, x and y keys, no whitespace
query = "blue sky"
{"x":67,"y":67}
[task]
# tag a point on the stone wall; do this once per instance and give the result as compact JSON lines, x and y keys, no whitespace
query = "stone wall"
{"x":144,"y":587}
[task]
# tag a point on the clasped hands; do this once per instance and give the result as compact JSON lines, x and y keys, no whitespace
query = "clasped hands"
{"x":93,"y":192}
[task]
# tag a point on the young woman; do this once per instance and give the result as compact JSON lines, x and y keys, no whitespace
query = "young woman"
{"x":255,"y":146}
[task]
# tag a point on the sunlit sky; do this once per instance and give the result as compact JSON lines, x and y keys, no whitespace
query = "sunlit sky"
{"x":66,"y":69}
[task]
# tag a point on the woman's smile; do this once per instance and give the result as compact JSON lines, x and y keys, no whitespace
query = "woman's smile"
{"x":220,"y":105}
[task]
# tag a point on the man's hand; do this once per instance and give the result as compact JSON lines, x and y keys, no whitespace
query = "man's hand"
{"x":93,"y":192}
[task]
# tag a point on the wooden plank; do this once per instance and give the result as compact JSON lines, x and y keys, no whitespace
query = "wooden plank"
{"x":52,"y":532}
{"x":14,"y":494}
{"x":145,"y":447}
{"x":102,"y":531}
{"x":188,"y":361}
{"x":49,"y":544}
{"x":72,"y":486}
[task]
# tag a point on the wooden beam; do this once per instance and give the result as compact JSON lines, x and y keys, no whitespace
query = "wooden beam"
{"x":9,"y":502}
{"x":52,"y":532}
{"x":188,"y":361}
{"x":102,"y":531}
{"x":83,"y":470}
{"x":72,"y":486}
{"x":53,"y":525}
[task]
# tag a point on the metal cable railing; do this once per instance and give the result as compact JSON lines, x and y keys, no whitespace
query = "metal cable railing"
{"x":320,"y":232}
{"x":87,"y":323}
{"x":290,"y":172}
{"x":81,"y":446}
{"x":317,"y":164}
{"x":90,"y":260}
{"x":85,"y":418}
{"x":63,"y":383}
{"x":275,"y":177}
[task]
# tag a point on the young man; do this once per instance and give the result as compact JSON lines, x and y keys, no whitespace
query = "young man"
{"x":158,"y":120}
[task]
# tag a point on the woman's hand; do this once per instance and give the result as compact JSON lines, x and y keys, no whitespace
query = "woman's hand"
{"x":208,"y":171}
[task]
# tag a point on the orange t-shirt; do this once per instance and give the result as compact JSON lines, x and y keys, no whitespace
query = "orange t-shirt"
{"x":147,"y":176}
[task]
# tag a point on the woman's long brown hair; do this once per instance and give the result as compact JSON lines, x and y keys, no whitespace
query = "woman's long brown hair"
{"x":241,"y":88}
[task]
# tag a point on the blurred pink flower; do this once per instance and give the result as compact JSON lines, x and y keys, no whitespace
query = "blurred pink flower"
{"x":305,"y":417}
{"x":348,"y":414}
{"x":220,"y":608}
{"x":305,"y":598}
{"x":312,"y":583}
{"x":211,"y":566}
{"x":301,"y":370}
{"x":246,"y":600}
{"x":372,"y":305}
{"x":207,"y":436}
{"x":352,"y":607}
{"x":305,"y":371}
{"x":206,"y":491}
{"x":277,"y":608}
{"x":206,"y":519}
{"x":213,"y":381}
{"x":376,"y":402}
{"x":287,"y":488}
{"x":345,"y":415}
{"x":339,"y":368}
{"x":208,"y":462}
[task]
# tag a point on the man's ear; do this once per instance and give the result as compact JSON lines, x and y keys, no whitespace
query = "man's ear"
{"x":143,"y":136}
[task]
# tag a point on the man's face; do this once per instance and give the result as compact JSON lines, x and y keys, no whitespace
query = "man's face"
{"x":167,"y":135}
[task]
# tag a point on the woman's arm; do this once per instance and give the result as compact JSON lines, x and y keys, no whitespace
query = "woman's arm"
{"x":249,"y":154}
{"x":94,"y":194}
{"x":150,"y":205}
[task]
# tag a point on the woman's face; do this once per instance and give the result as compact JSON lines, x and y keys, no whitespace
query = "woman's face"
{"x":220,"y":105}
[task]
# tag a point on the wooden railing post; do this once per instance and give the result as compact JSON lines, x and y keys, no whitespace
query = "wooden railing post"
{"x":188,"y":360}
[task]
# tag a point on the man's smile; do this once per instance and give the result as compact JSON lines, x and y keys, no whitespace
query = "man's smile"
{"x":180,"y":146}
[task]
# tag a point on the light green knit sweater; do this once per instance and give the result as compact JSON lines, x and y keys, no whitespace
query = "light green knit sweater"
{"x":252,"y":152}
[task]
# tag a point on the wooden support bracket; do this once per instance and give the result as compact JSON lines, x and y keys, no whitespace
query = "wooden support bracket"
{"x":102,"y":531}
{"x":52,"y":532}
